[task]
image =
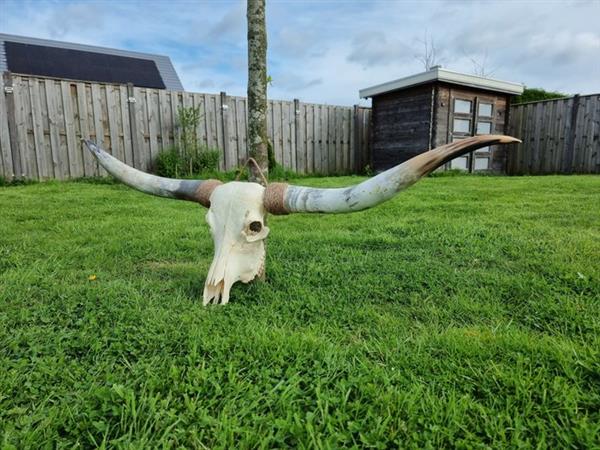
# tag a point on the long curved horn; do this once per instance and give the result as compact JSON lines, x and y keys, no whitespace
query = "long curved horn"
{"x":281,"y":198}
{"x":192,"y":190}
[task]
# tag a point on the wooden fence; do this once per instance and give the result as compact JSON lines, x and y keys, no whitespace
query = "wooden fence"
{"x":559,"y":136}
{"x":42,"y":121}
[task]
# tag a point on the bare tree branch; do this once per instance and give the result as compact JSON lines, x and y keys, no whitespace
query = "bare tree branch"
{"x":429,"y":55}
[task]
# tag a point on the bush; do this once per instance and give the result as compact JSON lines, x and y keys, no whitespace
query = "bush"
{"x":189,"y":158}
{"x":535,"y":95}
{"x":173,"y":163}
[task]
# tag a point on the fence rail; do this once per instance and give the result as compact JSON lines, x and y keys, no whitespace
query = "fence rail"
{"x":559,"y":136}
{"x":42,"y":122}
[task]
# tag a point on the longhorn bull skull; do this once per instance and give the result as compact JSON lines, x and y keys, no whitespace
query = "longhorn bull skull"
{"x":237,"y":210}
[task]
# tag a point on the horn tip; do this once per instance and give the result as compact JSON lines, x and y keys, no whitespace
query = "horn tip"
{"x":508,"y":140}
{"x":91,"y":146}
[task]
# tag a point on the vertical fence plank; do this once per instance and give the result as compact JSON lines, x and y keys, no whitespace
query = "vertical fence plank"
{"x":141,"y":128}
{"x":97,"y":130}
{"x":218,"y":123}
{"x":277,"y":133}
{"x":84,"y":129}
{"x":52,"y":98}
{"x":11,"y":116}
{"x":241,"y":120}
{"x":153,"y":125}
{"x":176,"y":131}
{"x":309,"y":137}
{"x":269,"y":124}
{"x":44,"y":163}
{"x":74,"y":156}
{"x":20,"y":100}
{"x":5,"y":138}
{"x":292,"y":135}
{"x":319,"y":140}
{"x":339,"y":140}
{"x":331,"y":141}
{"x":29,"y":157}
{"x":208,"y":129}
{"x":286,"y":135}
{"x":164,"y":119}
{"x":226,"y":127}
{"x":198,"y":102}
{"x":584,"y":128}
{"x":126,"y":125}
{"x":300,"y":127}
{"x":112,"y":105}
{"x":353,"y":165}
{"x":325,"y":157}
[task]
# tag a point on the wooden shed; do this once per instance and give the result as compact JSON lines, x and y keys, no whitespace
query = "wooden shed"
{"x":417,"y":113}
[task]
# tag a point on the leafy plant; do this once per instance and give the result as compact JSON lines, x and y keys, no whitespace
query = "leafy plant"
{"x":189,"y":119}
{"x":189,"y":158}
{"x":174,"y":163}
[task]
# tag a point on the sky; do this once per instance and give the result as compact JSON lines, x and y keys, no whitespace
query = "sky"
{"x":326,"y":51}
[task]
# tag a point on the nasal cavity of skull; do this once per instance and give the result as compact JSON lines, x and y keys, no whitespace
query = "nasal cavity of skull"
{"x":255,"y":226}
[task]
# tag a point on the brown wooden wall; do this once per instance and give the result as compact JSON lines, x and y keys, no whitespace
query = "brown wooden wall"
{"x":401,"y":125}
{"x":42,"y":122}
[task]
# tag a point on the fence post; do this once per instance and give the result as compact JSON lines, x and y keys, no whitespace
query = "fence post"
{"x":133,"y":125}
{"x":300,"y":150}
{"x":570,"y":141}
{"x":225,"y":127}
{"x":357,"y":147}
{"x":12,"y":125}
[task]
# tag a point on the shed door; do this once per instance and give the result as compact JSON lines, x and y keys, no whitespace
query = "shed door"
{"x":472,"y":115}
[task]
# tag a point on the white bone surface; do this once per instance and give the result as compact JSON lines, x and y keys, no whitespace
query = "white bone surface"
{"x":239,"y":251}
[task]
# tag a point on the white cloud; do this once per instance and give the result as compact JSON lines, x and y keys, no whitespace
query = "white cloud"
{"x":326,"y":51}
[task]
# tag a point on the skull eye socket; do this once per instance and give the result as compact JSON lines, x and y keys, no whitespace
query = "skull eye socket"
{"x":255,"y":226}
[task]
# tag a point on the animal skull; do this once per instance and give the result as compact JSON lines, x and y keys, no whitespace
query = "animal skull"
{"x":236,"y":218}
{"x":237,"y":211}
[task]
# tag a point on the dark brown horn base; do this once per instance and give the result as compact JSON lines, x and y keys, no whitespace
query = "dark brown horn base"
{"x":274,"y":199}
{"x":205,"y":190}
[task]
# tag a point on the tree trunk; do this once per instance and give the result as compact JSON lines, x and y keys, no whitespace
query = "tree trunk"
{"x":257,"y":89}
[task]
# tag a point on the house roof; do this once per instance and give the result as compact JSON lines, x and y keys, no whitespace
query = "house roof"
{"x":438,"y":74}
{"x":33,"y":56}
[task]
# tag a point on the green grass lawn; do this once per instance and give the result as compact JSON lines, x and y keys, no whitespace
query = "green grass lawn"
{"x":464,"y":313}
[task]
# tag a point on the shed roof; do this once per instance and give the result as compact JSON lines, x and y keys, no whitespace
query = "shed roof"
{"x":439,"y":74}
{"x":122,"y":65}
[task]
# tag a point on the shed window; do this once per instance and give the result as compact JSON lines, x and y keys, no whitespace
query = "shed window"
{"x":483,"y":150}
{"x":462,"y":125}
{"x":485,"y":110}
{"x":462,"y":106}
{"x":482,"y":163}
{"x":484,"y":127}
{"x":461,"y":163}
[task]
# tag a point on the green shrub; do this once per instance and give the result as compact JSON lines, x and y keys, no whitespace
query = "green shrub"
{"x":536,"y":94}
{"x":168,"y":163}
{"x":189,"y":158}
{"x":17,"y":181}
{"x":208,"y":159}
{"x":174,"y":163}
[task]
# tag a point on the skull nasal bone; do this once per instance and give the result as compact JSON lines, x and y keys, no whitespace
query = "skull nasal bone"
{"x":255,"y":226}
